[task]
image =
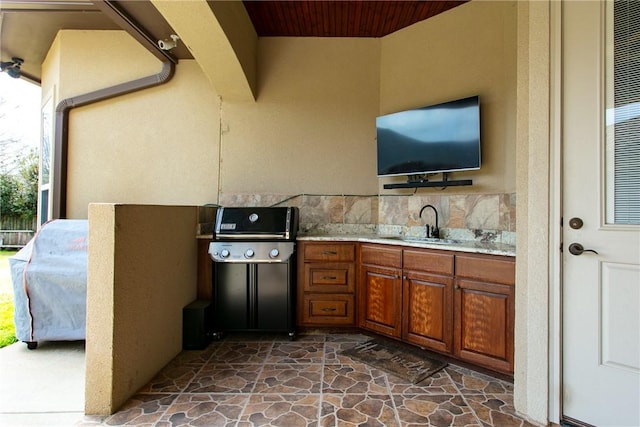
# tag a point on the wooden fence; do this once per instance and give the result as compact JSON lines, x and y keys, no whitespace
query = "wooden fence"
{"x":15,"y":232}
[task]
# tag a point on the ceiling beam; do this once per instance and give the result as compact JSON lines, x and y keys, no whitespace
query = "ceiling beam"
{"x":222,"y":40}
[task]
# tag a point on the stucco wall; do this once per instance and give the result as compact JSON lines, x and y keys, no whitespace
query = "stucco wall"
{"x":142,"y":272}
{"x":312,"y":129}
{"x":470,"y":50}
{"x":159,"y":145}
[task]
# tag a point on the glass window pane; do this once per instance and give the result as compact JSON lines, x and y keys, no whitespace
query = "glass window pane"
{"x":47,"y":137}
{"x":623,"y":112}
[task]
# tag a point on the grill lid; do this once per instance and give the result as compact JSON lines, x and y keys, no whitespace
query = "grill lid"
{"x":274,"y":223}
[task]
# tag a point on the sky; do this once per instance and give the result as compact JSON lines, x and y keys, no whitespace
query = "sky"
{"x":19,"y":116}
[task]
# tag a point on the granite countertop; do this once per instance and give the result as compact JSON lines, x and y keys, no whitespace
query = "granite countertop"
{"x":491,"y":248}
{"x":472,"y":246}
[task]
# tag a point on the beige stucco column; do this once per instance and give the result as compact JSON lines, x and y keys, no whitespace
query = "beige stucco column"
{"x":141,"y":273}
{"x":533,"y":224}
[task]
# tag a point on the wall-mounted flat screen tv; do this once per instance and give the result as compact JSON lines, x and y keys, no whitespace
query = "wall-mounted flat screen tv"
{"x":433,"y":139}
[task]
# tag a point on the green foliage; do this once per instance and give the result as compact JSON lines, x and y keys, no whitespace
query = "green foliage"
{"x":19,"y":192}
{"x":7,"y":327}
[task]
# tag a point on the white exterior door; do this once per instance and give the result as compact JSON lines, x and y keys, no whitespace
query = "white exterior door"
{"x":600,"y":291}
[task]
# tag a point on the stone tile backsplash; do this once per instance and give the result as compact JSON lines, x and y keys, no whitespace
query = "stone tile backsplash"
{"x":479,"y":217}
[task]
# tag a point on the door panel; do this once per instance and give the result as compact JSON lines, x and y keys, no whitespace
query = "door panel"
{"x":427,"y":311}
{"x":484,"y":318}
{"x":381,"y":300}
{"x":600,"y":289}
{"x":231,"y":295}
{"x":273,"y":297}
{"x":619,"y":312}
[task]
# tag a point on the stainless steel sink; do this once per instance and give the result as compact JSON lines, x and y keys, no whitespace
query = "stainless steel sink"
{"x":429,"y":240}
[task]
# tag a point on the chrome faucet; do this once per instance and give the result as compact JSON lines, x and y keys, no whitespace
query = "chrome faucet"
{"x":431,"y":231}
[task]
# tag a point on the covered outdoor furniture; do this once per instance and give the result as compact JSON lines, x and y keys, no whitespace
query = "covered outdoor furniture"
{"x":49,"y":278}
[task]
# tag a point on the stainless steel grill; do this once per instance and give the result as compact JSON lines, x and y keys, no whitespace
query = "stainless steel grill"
{"x":254,"y":269}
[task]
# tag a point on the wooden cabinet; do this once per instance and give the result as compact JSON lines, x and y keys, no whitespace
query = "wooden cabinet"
{"x":408,"y":294}
{"x":455,"y":303}
{"x":326,"y":284}
{"x":485,"y":310}
{"x":380,"y":290}
{"x":450,"y":302}
{"x":428,"y":299}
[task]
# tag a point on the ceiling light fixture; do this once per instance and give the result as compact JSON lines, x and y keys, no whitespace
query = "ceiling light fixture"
{"x":12,"y":67}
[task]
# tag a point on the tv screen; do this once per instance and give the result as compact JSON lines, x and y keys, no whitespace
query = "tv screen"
{"x":437,"y":138}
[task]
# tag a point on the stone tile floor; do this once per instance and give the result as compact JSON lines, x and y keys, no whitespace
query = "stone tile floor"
{"x":258,"y":381}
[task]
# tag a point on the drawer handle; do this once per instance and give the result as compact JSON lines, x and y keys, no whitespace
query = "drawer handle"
{"x":329,"y":277}
{"x":329,"y":253}
{"x":328,"y":309}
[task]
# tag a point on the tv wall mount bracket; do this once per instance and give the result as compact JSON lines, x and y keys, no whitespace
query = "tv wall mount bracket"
{"x":416,"y":181}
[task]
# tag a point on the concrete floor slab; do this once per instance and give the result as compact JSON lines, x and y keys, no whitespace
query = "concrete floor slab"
{"x":43,"y":386}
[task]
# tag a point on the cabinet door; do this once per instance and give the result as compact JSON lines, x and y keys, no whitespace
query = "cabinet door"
{"x":428,"y":311}
{"x":484,"y":314}
{"x":380,"y":291}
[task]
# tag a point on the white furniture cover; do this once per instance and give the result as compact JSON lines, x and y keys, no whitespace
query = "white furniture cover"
{"x":49,"y":278}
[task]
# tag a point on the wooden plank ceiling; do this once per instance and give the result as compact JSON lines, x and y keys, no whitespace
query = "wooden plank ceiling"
{"x":345,"y":18}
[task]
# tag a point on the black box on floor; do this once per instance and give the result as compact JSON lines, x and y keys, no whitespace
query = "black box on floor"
{"x":196,"y":325}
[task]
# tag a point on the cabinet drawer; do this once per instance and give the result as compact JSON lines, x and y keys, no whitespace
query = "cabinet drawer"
{"x":386,"y":257}
{"x":328,"y":309}
{"x":428,"y":261}
{"x":329,"y":252}
{"x":493,"y":269}
{"x":329,"y":277}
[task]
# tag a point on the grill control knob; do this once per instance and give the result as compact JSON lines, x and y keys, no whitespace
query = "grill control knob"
{"x":253,"y":217}
{"x":249,"y":253}
{"x":274,"y":253}
{"x":224,"y":253}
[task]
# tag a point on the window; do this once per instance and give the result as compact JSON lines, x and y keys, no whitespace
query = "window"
{"x":623,"y":112}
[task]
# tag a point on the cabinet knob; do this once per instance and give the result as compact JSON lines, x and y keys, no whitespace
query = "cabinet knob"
{"x":456,"y":287}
